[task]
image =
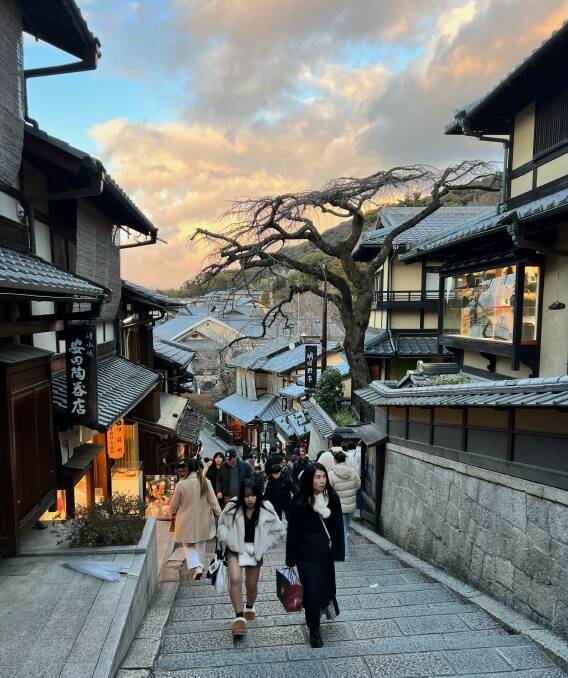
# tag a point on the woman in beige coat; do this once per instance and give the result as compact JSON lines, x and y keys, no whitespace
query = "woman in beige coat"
{"x":193,"y":504}
{"x":345,"y":481}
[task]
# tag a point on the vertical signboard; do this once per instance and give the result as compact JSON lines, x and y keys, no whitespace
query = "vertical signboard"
{"x":81,"y":364}
{"x":311,"y":367}
{"x":284,"y":403}
{"x":115,"y":440}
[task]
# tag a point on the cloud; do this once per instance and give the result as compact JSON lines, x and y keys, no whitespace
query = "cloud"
{"x":283,"y":95}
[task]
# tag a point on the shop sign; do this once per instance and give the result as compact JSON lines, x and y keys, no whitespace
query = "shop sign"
{"x":311,"y":367}
{"x":81,"y":365}
{"x":115,"y":440}
{"x":284,"y":403}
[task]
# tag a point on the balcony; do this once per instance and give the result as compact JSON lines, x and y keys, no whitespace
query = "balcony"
{"x":406,"y":299}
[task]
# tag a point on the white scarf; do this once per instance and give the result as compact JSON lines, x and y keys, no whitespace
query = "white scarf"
{"x":321,"y":502}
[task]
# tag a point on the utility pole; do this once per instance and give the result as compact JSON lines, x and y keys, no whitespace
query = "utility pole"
{"x":324,"y":322}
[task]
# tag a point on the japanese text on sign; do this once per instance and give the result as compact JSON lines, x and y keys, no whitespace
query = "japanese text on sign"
{"x":81,"y":372}
{"x":311,"y":367}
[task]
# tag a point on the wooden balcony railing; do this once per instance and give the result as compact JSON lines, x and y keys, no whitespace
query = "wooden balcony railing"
{"x":405,"y":298}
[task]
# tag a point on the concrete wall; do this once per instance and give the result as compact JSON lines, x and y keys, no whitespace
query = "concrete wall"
{"x":505,"y":536}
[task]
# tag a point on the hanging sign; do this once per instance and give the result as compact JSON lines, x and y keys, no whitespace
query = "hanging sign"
{"x":311,"y":367}
{"x":81,"y":365}
{"x":115,"y":440}
{"x":284,"y":403}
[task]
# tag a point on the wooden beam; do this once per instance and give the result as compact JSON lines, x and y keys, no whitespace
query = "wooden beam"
{"x":30,"y":327}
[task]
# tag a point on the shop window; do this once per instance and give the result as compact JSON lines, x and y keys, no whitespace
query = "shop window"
{"x":480,"y":305}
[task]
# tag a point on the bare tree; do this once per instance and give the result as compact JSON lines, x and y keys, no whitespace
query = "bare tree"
{"x":261,"y":228}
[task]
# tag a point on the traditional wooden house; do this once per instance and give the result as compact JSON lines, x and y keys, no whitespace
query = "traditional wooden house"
{"x":405,"y":296}
{"x":247,"y":417}
{"x":475,"y":471}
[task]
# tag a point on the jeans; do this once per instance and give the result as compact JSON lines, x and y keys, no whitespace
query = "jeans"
{"x":346,"y":523}
{"x":194,"y":554}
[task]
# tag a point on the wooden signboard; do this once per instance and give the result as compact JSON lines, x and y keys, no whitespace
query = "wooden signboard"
{"x":81,"y":365}
{"x":311,"y":367}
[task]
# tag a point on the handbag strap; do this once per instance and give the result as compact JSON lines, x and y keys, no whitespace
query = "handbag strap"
{"x":326,"y":530}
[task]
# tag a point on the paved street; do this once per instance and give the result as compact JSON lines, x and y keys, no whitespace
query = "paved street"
{"x":393,"y":622}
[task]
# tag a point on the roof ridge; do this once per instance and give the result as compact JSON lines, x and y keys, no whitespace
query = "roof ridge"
{"x":506,"y":386}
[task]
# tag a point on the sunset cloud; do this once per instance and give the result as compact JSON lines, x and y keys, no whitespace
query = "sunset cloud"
{"x":279,"y":96}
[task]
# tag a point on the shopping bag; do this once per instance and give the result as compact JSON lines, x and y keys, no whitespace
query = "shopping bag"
{"x":289,"y":590}
{"x":217,"y":572}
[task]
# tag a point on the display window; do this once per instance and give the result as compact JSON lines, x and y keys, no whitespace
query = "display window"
{"x":481,"y":304}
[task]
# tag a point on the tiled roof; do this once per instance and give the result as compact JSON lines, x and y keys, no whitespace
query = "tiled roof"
{"x":24,"y":272}
{"x":264,"y":409}
{"x":388,"y":344}
{"x":293,"y":424}
{"x":441,"y":221}
{"x":171,"y":408}
{"x":319,"y":418}
{"x":292,"y":358}
{"x":257,"y":356}
{"x":152,"y":296}
{"x":130,"y":214}
{"x":189,"y":426}
{"x":550,"y":392}
{"x":506,"y":84}
{"x":529,"y":211}
{"x":12,"y":353}
{"x":121,"y":386}
{"x":293,"y":391}
{"x":173,"y":352}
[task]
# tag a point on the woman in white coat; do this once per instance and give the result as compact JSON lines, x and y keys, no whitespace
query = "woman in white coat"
{"x":248,"y":527}
{"x":345,"y":481}
{"x":194,"y":504}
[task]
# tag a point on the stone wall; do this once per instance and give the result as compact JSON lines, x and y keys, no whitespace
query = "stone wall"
{"x":503,"y":535}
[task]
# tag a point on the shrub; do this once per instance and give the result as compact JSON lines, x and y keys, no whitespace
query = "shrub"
{"x":446,"y":380}
{"x":116,"y":520}
{"x":345,"y":417}
{"x":329,"y":389}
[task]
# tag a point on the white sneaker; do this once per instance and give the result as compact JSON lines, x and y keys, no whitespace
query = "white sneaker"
{"x":250,"y":613}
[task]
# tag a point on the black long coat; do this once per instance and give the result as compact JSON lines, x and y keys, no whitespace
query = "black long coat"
{"x":307,"y":547}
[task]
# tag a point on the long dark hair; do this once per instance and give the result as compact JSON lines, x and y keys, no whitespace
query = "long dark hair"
{"x":249,"y":487}
{"x":193,"y":466}
{"x":305,"y":494}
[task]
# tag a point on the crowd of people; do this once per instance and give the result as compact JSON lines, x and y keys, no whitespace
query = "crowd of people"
{"x":243,"y":505}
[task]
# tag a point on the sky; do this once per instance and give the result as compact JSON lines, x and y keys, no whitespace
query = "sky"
{"x":196,"y":103}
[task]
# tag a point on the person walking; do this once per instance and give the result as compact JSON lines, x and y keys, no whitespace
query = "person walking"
{"x":314,"y":541}
{"x":231,"y":474}
{"x":259,"y":476}
{"x":328,"y":458}
{"x":213,"y":475}
{"x":299,"y":466}
{"x":193,"y":505}
{"x":248,"y":527}
{"x":346,"y":482}
{"x":279,"y":490}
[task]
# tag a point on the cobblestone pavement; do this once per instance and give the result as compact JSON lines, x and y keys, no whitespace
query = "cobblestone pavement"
{"x":393,"y":622}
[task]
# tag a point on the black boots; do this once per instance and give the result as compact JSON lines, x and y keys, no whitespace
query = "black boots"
{"x":315,"y":637}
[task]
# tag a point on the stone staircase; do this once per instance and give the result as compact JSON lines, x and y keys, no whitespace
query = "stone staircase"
{"x":394,"y":621}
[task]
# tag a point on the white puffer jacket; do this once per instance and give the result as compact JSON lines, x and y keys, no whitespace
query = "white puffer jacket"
{"x":267,"y":533}
{"x":345,"y":481}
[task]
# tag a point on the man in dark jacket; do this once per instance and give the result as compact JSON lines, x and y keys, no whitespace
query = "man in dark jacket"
{"x":279,"y":490}
{"x":299,"y":466}
{"x":232,"y":473}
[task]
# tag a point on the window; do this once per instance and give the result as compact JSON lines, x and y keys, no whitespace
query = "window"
{"x":480,"y":304}
{"x":432,"y":284}
{"x":551,"y":122}
{"x":529,"y":333}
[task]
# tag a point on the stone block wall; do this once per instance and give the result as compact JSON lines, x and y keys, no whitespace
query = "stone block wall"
{"x":505,"y":536}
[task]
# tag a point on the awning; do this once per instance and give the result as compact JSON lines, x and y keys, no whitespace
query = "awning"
{"x":150,"y":297}
{"x":293,"y":391}
{"x":292,"y":424}
{"x":319,"y":418}
{"x":74,"y":469}
{"x":189,"y":426}
{"x":173,"y":353}
{"x":177,"y":420}
{"x":21,"y":272}
{"x":370,"y":434}
{"x":121,"y":386}
{"x":13,"y":354}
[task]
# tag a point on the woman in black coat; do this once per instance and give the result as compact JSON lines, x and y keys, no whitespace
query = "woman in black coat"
{"x":315,"y":540}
